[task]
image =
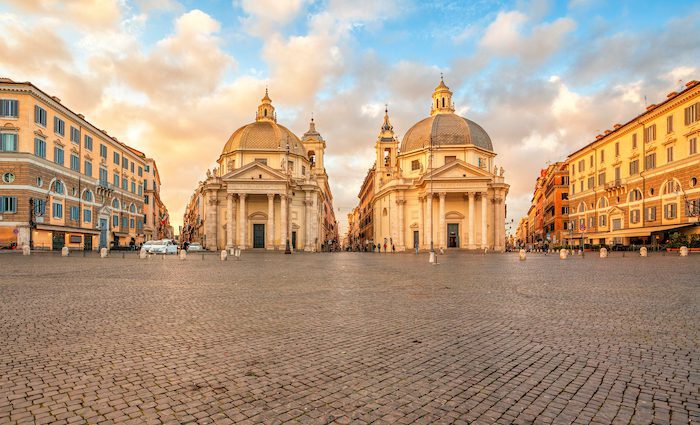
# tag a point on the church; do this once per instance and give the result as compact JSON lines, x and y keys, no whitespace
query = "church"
{"x":439,"y":188}
{"x":270,"y":191}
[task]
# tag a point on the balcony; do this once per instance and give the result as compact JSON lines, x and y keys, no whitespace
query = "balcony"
{"x":615,"y":184}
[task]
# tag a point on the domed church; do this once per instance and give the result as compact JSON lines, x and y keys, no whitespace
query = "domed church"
{"x":454,"y":198}
{"x":270,"y":188}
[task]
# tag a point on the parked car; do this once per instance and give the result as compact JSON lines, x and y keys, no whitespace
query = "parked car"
{"x":148,"y":245}
{"x":166,"y":246}
{"x":195,"y":247}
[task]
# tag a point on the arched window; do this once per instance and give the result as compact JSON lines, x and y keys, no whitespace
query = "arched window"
{"x":635,"y":195}
{"x":437,"y":103}
{"x":132,"y":208}
{"x":264,"y":112}
{"x":115,"y":204}
{"x":671,"y":187}
{"x":385,"y":212}
{"x":87,"y":196}
{"x":58,"y":187}
{"x":312,"y":157}
{"x":443,"y":102}
{"x":581,"y":207}
{"x":603,"y":203}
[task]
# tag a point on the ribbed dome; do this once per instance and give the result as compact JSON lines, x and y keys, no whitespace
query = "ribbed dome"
{"x":263,"y":135}
{"x":445,"y":129}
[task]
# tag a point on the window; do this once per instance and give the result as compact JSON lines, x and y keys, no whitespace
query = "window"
{"x":635,"y":195}
{"x":692,"y":146}
{"x":145,"y":199}
{"x":693,"y":181}
{"x":59,"y":126}
{"x":449,"y":159}
{"x":670,"y":211}
{"x":139,"y":224}
{"x":8,"y":204}
{"x":581,"y":207}
{"x":74,"y":135}
{"x":601,"y":179}
{"x":88,"y":142}
{"x":74,"y":162}
{"x":692,"y":113}
{"x":116,"y":158}
{"x":564,"y":196}
{"x":39,"y":207}
{"x":591,"y":182}
{"x":650,"y":161}
{"x":140,"y":171}
{"x":8,"y":142}
{"x":602,"y":156}
{"x":103,"y":151}
{"x":581,"y":166}
{"x":115,"y":180}
{"x":125,"y":163}
{"x":650,"y":213}
{"x":565,"y":180}
{"x":650,"y":133}
{"x":303,"y":170}
{"x":603,"y":220}
{"x":415,"y":164}
{"x":140,"y":192}
{"x":58,"y":155}
{"x":74,"y":213}
{"x":87,"y":167}
{"x":591,"y":222}
{"x":581,"y":185}
{"x":40,"y":148}
{"x":671,"y":187}
{"x":40,"y":115}
{"x":133,"y":187}
{"x":125,"y":183}
{"x":603,"y":203}
{"x":9,"y":108}
{"x":669,"y":124}
{"x":564,"y":210}
{"x":669,"y":154}
{"x":617,"y":174}
{"x":591,"y":161}
{"x":582,"y":224}
{"x":132,"y":167}
{"x":148,"y":168}
{"x":57,"y":210}
{"x":103,"y":176}
{"x":617,"y":224}
{"x":115,"y":221}
{"x":634,"y":167}
{"x":87,"y":215}
{"x":88,"y":196}
{"x":634,"y":216}
{"x":58,"y":187}
{"x":617,"y":148}
{"x":692,"y":207}
{"x":131,"y":223}
{"x":634,"y":141}
{"x":125,"y":222}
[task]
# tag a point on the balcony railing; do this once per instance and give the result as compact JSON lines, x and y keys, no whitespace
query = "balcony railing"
{"x":613,"y":184}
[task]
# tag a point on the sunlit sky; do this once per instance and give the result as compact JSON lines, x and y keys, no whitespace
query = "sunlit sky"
{"x":175,"y":78}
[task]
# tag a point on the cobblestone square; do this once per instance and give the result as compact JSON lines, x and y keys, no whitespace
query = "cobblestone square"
{"x":361,"y":338}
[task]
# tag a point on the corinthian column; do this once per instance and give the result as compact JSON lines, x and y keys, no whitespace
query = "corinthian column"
{"x":283,"y":220}
{"x":442,"y":220}
{"x":402,"y":228}
{"x":229,"y":220}
{"x":429,"y":232}
{"x":270,"y":221}
{"x":244,"y":221}
{"x":421,"y":227}
{"x":484,"y":206}
{"x":471,"y":221}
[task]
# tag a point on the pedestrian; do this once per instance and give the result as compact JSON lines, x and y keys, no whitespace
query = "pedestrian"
{"x":384,"y":246}
{"x":393,"y":248}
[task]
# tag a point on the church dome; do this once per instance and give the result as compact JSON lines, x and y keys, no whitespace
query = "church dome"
{"x":444,"y":127}
{"x":264,"y":134}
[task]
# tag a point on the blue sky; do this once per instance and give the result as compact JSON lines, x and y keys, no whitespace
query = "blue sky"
{"x":542,"y":77}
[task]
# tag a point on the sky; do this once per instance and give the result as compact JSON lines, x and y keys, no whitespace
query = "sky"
{"x":174,"y":78}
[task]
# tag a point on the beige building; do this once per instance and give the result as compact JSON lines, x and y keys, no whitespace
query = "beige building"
{"x":64,"y":181}
{"x":638,"y":182}
{"x":269,"y":188}
{"x":440,"y":187}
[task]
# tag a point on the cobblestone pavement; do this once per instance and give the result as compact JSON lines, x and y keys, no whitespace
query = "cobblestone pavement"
{"x":350,"y":338}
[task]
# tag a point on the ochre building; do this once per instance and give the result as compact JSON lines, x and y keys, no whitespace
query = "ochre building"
{"x":270,"y":188}
{"x":439,"y":186}
{"x":637,"y":183}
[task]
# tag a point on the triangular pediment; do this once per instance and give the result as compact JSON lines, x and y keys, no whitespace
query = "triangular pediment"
{"x":255,"y":171}
{"x":457,"y":170}
{"x":615,"y":210}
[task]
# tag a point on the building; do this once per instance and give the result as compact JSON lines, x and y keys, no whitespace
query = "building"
{"x":64,"y":181}
{"x":440,"y":187}
{"x":638,"y":183}
{"x":270,"y":188}
{"x":547,"y":219}
{"x":365,"y":212}
{"x":521,"y":232}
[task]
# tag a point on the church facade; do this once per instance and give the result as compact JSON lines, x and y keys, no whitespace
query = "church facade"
{"x":270,"y":188}
{"x":440,"y":186}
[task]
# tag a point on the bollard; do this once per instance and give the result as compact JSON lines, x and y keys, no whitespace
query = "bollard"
{"x":522,"y":254}
{"x":237,"y":253}
{"x":224,"y":255}
{"x":643,"y":251}
{"x":143,"y":254}
{"x":603,"y":252}
{"x":65,"y":251}
{"x":683,"y":251}
{"x":563,"y":254}
{"x":183,"y":254}
{"x":104,"y":253}
{"x":26,"y":250}
{"x":431,"y":259}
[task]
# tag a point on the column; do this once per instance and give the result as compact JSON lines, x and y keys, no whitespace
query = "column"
{"x":307,"y":221}
{"x":429,"y":232}
{"x":210,"y":230}
{"x":402,"y":230}
{"x":484,"y":236}
{"x":229,"y":220}
{"x":243,"y":220}
{"x":442,"y":220}
{"x":421,"y":228}
{"x":270,"y":221}
{"x":471,"y":221}
{"x":501,"y":224}
{"x":283,"y":221}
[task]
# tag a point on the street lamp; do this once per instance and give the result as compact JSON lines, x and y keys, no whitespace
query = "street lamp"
{"x":433,"y":258}
{"x":287,"y":248}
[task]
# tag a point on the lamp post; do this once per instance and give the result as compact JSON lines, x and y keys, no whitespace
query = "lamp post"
{"x":287,"y":248}
{"x":433,"y":258}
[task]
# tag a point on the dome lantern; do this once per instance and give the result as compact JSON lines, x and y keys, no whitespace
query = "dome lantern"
{"x":442,"y":99}
{"x":266,"y":112}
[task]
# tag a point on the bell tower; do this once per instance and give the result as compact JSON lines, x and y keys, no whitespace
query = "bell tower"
{"x":315,"y":148}
{"x":442,"y":99}
{"x":387,"y":148}
{"x":266,"y":112}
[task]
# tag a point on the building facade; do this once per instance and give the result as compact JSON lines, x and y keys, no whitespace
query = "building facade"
{"x":637,"y":183}
{"x":547,"y":220}
{"x":440,"y":187}
{"x":64,"y":181}
{"x":270,"y":188}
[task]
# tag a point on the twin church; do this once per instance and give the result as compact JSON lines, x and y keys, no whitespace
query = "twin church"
{"x":439,"y":187}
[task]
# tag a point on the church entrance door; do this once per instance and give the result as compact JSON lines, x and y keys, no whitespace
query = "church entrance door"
{"x":258,"y":236}
{"x":453,"y":235}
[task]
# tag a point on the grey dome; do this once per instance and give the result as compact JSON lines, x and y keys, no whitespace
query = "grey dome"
{"x":445,"y":129}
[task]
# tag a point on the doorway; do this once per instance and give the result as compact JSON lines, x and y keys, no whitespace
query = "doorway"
{"x":87,"y":242}
{"x":294,"y":239}
{"x":103,"y":233}
{"x":416,"y":240}
{"x":453,"y":235}
{"x":258,"y":236}
{"x":58,"y":241}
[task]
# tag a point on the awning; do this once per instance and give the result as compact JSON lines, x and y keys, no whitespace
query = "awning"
{"x":121,"y":234}
{"x":67,"y":229}
{"x":640,"y":231}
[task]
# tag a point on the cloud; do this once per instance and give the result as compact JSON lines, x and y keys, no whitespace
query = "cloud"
{"x":86,"y":13}
{"x":265,"y":16}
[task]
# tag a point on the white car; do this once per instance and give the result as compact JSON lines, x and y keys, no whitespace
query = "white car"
{"x":148,"y":245}
{"x":195,"y":247}
{"x":165,"y":246}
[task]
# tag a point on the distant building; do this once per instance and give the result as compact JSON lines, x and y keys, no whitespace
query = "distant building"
{"x":64,"y":182}
{"x":638,"y":183}
{"x":547,"y":219}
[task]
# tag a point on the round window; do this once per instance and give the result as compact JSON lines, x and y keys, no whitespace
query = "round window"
{"x":8,"y":177}
{"x":693,"y":181}
{"x":39,"y":182}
